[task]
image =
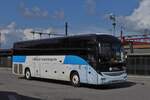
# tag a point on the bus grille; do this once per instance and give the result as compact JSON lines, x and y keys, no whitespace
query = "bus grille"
{"x":113,"y":73}
{"x":15,"y":68}
{"x":18,"y":69}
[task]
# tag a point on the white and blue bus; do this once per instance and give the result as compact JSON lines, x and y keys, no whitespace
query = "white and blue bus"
{"x":92,"y":59}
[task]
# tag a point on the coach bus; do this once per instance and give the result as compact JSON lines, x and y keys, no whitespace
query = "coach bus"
{"x":91,"y":59}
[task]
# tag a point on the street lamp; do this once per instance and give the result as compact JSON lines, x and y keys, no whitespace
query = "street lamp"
{"x":0,"y":40}
{"x":113,"y":19}
{"x":33,"y":33}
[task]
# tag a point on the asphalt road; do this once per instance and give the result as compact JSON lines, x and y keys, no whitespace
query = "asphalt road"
{"x":14,"y":88}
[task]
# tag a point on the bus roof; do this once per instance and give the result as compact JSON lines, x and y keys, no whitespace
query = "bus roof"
{"x":100,"y":37}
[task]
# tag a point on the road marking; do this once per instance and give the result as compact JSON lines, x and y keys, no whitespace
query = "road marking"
{"x":11,"y":97}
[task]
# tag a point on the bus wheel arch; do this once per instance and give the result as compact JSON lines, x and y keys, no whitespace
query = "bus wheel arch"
{"x":27,"y":73}
{"x":75,"y":78}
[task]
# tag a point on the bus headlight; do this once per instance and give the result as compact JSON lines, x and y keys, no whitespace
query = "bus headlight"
{"x":125,"y":77}
{"x":103,"y":78}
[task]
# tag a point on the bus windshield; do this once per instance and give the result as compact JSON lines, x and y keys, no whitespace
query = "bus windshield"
{"x":110,"y":52}
{"x":110,"y":56}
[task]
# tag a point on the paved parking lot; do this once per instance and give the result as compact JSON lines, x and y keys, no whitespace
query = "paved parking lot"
{"x":14,"y":88}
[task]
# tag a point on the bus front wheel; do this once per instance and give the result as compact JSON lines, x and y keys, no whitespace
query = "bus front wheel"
{"x":27,"y":74}
{"x":75,"y":79}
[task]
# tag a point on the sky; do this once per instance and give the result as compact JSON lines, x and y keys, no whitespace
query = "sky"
{"x":19,"y":17}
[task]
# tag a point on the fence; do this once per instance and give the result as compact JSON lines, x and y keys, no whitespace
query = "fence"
{"x":5,"y":61}
{"x":138,"y":64}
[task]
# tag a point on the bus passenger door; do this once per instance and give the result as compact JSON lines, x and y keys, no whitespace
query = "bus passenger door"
{"x":92,"y":76}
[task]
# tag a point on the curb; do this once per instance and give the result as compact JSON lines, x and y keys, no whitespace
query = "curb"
{"x":4,"y":68}
{"x":138,"y":76}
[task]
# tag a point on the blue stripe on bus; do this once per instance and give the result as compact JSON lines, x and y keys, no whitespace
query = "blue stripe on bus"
{"x":19,"y":58}
{"x":75,"y":60}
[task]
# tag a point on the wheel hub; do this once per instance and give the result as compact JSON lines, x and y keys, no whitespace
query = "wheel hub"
{"x":75,"y":79}
{"x":27,"y":74}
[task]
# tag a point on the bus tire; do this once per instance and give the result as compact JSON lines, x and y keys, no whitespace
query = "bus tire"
{"x":75,"y":79}
{"x":27,"y":74}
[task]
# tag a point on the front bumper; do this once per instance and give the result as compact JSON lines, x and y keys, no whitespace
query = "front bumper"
{"x":112,"y":77}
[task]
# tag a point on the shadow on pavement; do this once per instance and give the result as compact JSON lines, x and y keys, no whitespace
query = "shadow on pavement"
{"x":49,"y":81}
{"x":4,"y":95}
{"x":104,"y":87}
{"x":111,"y":86}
